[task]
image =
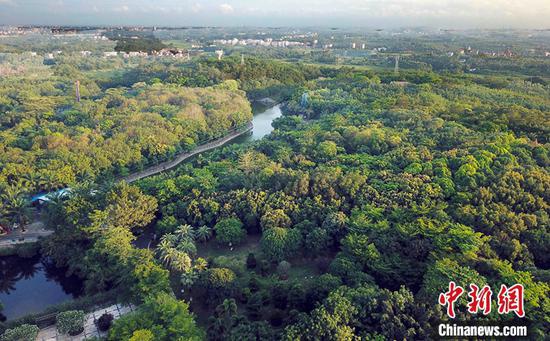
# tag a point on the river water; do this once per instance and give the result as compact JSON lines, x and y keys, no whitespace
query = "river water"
{"x":262,"y":122}
{"x":30,"y":285}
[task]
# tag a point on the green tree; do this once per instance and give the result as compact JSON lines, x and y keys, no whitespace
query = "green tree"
{"x":278,"y":243}
{"x":230,"y":231}
{"x":162,"y":315}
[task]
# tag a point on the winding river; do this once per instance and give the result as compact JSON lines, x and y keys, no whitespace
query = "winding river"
{"x":30,"y":285}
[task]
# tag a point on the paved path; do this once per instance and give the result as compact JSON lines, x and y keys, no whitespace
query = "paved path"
{"x":90,"y":329}
{"x":161,"y":167}
{"x":33,"y":231}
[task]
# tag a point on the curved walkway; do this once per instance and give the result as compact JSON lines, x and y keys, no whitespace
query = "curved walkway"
{"x":161,"y":167}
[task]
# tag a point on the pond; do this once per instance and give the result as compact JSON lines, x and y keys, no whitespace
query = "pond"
{"x":30,"y":285}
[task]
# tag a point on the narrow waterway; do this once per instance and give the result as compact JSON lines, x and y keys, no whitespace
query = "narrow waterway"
{"x":30,"y":285}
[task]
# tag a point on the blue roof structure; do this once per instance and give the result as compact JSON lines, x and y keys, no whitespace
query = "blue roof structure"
{"x":45,"y":197}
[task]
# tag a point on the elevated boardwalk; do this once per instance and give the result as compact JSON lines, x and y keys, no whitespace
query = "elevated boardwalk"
{"x":36,"y":229}
{"x":164,"y":166}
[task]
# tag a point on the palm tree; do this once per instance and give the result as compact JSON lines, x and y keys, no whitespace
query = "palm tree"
{"x":54,"y":209}
{"x":164,"y":248}
{"x":200,"y":264}
{"x":188,"y":247}
{"x":203,"y":233}
{"x":30,"y":180}
{"x":170,"y":238}
{"x":229,"y":307}
{"x":17,"y":207}
{"x":187,"y":279}
{"x":184,"y":232}
{"x":180,"y":262}
{"x":226,"y":311}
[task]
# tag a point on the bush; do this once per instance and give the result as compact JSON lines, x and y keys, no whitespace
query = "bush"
{"x":142,"y":335}
{"x":220,"y":277}
{"x":283,"y":268}
{"x":70,"y":322}
{"x":28,"y":250}
{"x":104,"y":322}
{"x":251,"y":261}
{"x":230,"y":231}
{"x":25,"y":332}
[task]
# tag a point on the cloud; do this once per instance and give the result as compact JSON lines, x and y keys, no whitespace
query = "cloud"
{"x":196,"y":7}
{"x":123,"y":8}
{"x":226,"y":9}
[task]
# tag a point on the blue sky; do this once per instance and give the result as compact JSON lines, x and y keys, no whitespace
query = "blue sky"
{"x":365,"y":13}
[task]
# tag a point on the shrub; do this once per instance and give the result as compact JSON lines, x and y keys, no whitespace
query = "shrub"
{"x":104,"y":322}
{"x":28,"y":250}
{"x":70,"y":322}
{"x":230,"y":231}
{"x":220,"y":277}
{"x":142,"y":335}
{"x":25,"y":332}
{"x":251,"y":261}
{"x":283,"y":268}
{"x":265,"y":267}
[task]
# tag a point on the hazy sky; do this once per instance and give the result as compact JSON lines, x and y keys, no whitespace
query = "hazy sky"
{"x":367,"y":13}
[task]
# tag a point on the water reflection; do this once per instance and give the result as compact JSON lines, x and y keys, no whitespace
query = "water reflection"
{"x":263,"y":117}
{"x":14,"y":269}
{"x":29,"y":285}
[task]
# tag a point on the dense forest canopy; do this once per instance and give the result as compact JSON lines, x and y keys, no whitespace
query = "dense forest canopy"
{"x":374,"y":191}
{"x":394,"y":190}
{"x":58,"y":142}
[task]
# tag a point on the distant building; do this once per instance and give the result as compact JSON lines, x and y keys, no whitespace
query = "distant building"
{"x":400,"y":83}
{"x":110,"y":54}
{"x":86,"y":53}
{"x":175,"y":53}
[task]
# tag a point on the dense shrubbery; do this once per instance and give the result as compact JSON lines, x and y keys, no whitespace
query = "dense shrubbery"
{"x":24,"y":332}
{"x":104,"y":322}
{"x":70,"y":322}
